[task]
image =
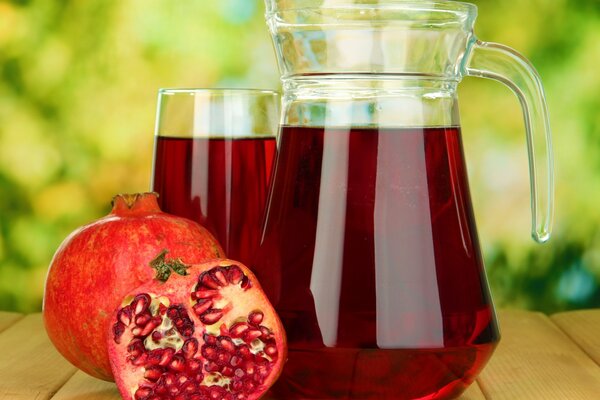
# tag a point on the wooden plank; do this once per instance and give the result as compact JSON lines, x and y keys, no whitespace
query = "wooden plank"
{"x":536,"y":360}
{"x":30,"y":367}
{"x":473,"y":392}
{"x":8,"y":318}
{"x":82,"y":386}
{"x":583,"y":327}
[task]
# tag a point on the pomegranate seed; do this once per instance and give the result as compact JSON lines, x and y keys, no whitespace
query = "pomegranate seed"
{"x":235,"y":361}
{"x":143,"y":319}
{"x":124,"y":315}
{"x":249,"y":386}
{"x":250,"y":368}
{"x":135,"y":347}
{"x":189,"y":388}
{"x":261,"y":361}
{"x":211,"y":366}
{"x":227,"y":371}
{"x":245,"y":284}
{"x":211,"y":316}
{"x":223,"y":357}
{"x":235,"y":274}
{"x":263,"y":371}
{"x":238,"y":385}
{"x":270,"y":350}
{"x":118,"y":330}
{"x":215,"y":393}
{"x":141,"y":360}
{"x":169,"y":380}
{"x":209,"y":352}
{"x":182,"y":379}
{"x":174,"y":390}
{"x":167,"y":356}
{"x":266,"y":332}
{"x":170,"y":332}
{"x":239,"y":372}
{"x":256,"y":317}
{"x":210,"y":339}
{"x":238,"y":329}
{"x":252,"y":334}
{"x":190,"y":348}
{"x":153,"y":324}
{"x":177,"y":364}
{"x":202,"y":305}
{"x":172,"y":313}
{"x":245,"y":352}
{"x":154,"y":356}
{"x":153,"y":373}
{"x":226,"y":344}
{"x":208,"y":281}
{"x":219,"y":276}
{"x":143,"y":393}
{"x":205,"y":294}
{"x":162,"y":309}
{"x":184,"y":325}
{"x":224,"y":330}
{"x":140,"y":303}
{"x":194,"y":365}
{"x":156,"y":336}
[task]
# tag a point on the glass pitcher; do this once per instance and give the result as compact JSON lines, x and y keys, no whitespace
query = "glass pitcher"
{"x":370,"y":251}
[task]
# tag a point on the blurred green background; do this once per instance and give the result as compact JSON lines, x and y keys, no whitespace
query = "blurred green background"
{"x":78,"y":84}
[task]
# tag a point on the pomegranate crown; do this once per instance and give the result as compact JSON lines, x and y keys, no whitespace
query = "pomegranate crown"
{"x":128,"y":204}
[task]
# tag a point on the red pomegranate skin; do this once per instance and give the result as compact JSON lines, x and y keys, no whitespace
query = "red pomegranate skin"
{"x":97,"y":264}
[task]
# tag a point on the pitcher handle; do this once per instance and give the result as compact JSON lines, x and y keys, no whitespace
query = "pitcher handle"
{"x":501,"y":63}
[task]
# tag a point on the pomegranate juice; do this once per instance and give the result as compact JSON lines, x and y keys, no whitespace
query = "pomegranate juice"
{"x":371,"y":258}
{"x":221,"y":183}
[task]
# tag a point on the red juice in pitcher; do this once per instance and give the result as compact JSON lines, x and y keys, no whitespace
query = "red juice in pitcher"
{"x":221,"y":183}
{"x":370,"y":256}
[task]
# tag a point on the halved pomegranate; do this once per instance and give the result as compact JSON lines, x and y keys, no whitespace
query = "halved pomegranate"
{"x":211,"y":334}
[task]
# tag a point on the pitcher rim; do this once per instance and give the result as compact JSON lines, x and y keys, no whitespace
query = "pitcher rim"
{"x":423,"y":5}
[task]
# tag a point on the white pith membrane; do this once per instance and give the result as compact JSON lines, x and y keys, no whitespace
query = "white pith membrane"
{"x":224,"y":363}
{"x":170,"y":336}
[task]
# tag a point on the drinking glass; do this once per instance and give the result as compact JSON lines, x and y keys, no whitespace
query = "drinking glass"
{"x":213,"y":154}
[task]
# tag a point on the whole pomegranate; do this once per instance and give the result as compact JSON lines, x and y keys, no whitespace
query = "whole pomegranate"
{"x":209,"y":335}
{"x":97,"y":264}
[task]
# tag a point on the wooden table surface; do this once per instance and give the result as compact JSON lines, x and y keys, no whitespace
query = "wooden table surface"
{"x":539,"y":358}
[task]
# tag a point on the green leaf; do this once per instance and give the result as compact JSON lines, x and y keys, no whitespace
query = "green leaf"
{"x":165,"y":267}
